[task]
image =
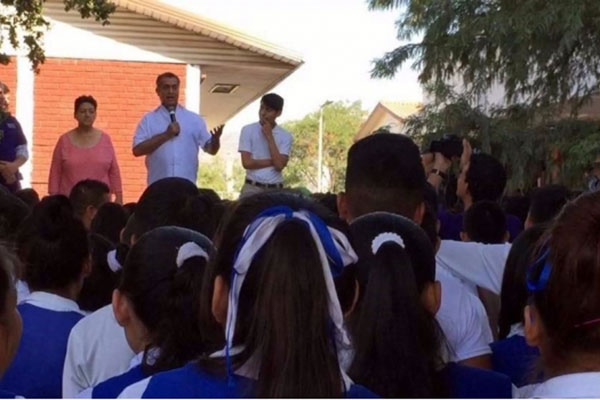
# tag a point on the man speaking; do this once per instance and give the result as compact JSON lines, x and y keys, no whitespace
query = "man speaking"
{"x":171,"y":135}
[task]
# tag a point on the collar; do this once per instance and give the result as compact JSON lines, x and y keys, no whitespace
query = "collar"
{"x":52,"y":302}
{"x":162,"y":108}
{"x":516,"y":330}
{"x":583,"y":384}
{"x":153,"y":353}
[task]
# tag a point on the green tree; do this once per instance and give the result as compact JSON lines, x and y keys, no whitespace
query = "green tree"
{"x":215,"y":174}
{"x":544,"y":52}
{"x":341,"y":121}
{"x":24,"y":19}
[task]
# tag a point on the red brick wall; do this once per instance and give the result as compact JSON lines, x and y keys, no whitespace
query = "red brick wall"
{"x":125,"y":91}
{"x":8,"y":76}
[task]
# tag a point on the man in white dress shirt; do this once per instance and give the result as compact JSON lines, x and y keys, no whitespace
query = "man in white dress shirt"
{"x":265,"y":148}
{"x":171,"y":135}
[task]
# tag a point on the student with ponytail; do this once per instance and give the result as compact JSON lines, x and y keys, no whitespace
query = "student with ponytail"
{"x":399,"y":347}
{"x":563,"y":316}
{"x":56,"y":260}
{"x":157,"y":302}
{"x":274,"y":295}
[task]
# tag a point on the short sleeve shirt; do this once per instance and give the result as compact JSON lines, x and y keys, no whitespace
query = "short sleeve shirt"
{"x":177,"y":157}
{"x":11,"y":136}
{"x":253,"y":141}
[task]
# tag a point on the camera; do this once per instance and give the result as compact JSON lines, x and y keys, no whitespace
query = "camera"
{"x":449,"y":146}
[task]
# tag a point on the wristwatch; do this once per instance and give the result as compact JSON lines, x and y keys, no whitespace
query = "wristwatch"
{"x":439,"y":173}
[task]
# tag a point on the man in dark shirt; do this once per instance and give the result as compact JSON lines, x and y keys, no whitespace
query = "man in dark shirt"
{"x":13,"y":145}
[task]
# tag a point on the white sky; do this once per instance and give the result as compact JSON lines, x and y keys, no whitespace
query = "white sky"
{"x":337,"y":40}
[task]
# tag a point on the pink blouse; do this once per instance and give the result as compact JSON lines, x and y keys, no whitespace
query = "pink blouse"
{"x":71,"y":164}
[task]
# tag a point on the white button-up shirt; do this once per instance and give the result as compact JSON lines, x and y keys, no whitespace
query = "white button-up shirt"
{"x":178,"y":156}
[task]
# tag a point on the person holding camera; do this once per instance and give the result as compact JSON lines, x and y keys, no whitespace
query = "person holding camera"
{"x":481,"y":177}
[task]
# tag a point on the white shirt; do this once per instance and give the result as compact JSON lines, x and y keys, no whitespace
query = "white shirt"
{"x":463,"y":319}
{"x":22,"y":290}
{"x":97,"y":350}
{"x":573,"y":386}
{"x":253,"y":141}
{"x":178,"y":156}
{"x":52,"y":302}
{"x":477,"y":263}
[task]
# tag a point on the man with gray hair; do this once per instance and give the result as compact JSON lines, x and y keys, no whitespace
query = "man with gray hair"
{"x":13,"y":145}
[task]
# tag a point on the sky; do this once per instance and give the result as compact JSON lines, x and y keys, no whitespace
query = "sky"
{"x":337,"y":39}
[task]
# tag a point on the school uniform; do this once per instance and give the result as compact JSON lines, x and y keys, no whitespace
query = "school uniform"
{"x":8,"y":395}
{"x":513,"y":357}
{"x":97,"y":350}
{"x":112,"y":387}
{"x":192,"y":382}
{"x":36,"y":371}
{"x":574,"y":386}
{"x":463,"y":319}
{"x":469,"y":383}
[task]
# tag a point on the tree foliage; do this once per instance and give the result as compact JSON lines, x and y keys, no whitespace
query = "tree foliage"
{"x":341,"y":121}
{"x":22,"y":23}
{"x":216,"y":175}
{"x":544,"y":52}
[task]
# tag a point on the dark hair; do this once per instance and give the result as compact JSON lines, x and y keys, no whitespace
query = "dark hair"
{"x":176,"y":202}
{"x":85,"y":99}
{"x":98,"y":287}
{"x":165,"y":297}
{"x":28,"y":196}
{"x":8,"y":265}
{"x":283,"y":303}
{"x":546,"y":202}
{"x":513,"y":294}
{"x":273,"y":101}
{"x":327,"y":200}
{"x":129,"y":208}
{"x":166,"y":75}
{"x":88,"y":192}
{"x":110,"y":219}
{"x":517,"y":205}
{"x":53,"y":244}
{"x":485,"y":222}
{"x":486,"y":178}
{"x":571,"y":297}
{"x":396,"y":340}
{"x":384,"y":173}
{"x":13,"y":212}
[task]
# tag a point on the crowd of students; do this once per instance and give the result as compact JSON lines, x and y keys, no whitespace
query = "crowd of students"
{"x":359,"y":294}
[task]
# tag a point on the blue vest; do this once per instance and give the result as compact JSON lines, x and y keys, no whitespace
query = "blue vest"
{"x":468,"y":383}
{"x":191,"y":382}
{"x":36,"y":371}
{"x":111,"y":388}
{"x":516,"y":359}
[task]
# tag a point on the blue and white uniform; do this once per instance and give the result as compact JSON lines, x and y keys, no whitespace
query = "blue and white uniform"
{"x":191,"y":382}
{"x":575,"y":386}
{"x":36,"y":371}
{"x":515,"y":358}
{"x":112,"y":387}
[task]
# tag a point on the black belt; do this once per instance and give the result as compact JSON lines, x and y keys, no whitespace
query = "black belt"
{"x":265,"y":185}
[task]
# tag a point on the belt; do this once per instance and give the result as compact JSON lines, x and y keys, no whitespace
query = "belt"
{"x":265,"y":185}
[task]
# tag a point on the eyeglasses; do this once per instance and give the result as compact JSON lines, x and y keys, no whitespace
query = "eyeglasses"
{"x":538,"y":273}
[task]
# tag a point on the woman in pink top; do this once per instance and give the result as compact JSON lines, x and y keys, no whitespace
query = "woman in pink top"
{"x":84,"y":153}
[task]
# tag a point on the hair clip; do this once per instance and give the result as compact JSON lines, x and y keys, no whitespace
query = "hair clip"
{"x":113,"y":263}
{"x":189,"y":250}
{"x":385,"y":237}
{"x":544,"y":274}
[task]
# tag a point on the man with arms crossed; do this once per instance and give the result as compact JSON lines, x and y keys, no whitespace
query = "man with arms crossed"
{"x":265,"y":148}
{"x":171,"y":135}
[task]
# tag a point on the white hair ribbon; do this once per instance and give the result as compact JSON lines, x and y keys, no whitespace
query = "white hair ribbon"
{"x":340,"y":254}
{"x":385,"y":237}
{"x":113,"y":263}
{"x":189,"y":250}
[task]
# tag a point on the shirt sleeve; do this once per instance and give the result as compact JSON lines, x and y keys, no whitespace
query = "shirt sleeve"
{"x":55,"y":170}
{"x":480,"y":264}
{"x":74,"y":380}
{"x":286,"y":146}
{"x":476,"y":334}
{"x":114,"y":174}
{"x":245,"y":141}
{"x":142,"y":133}
{"x":202,"y":134}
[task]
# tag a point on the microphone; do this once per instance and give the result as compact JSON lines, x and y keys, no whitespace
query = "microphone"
{"x":172,"y":114}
